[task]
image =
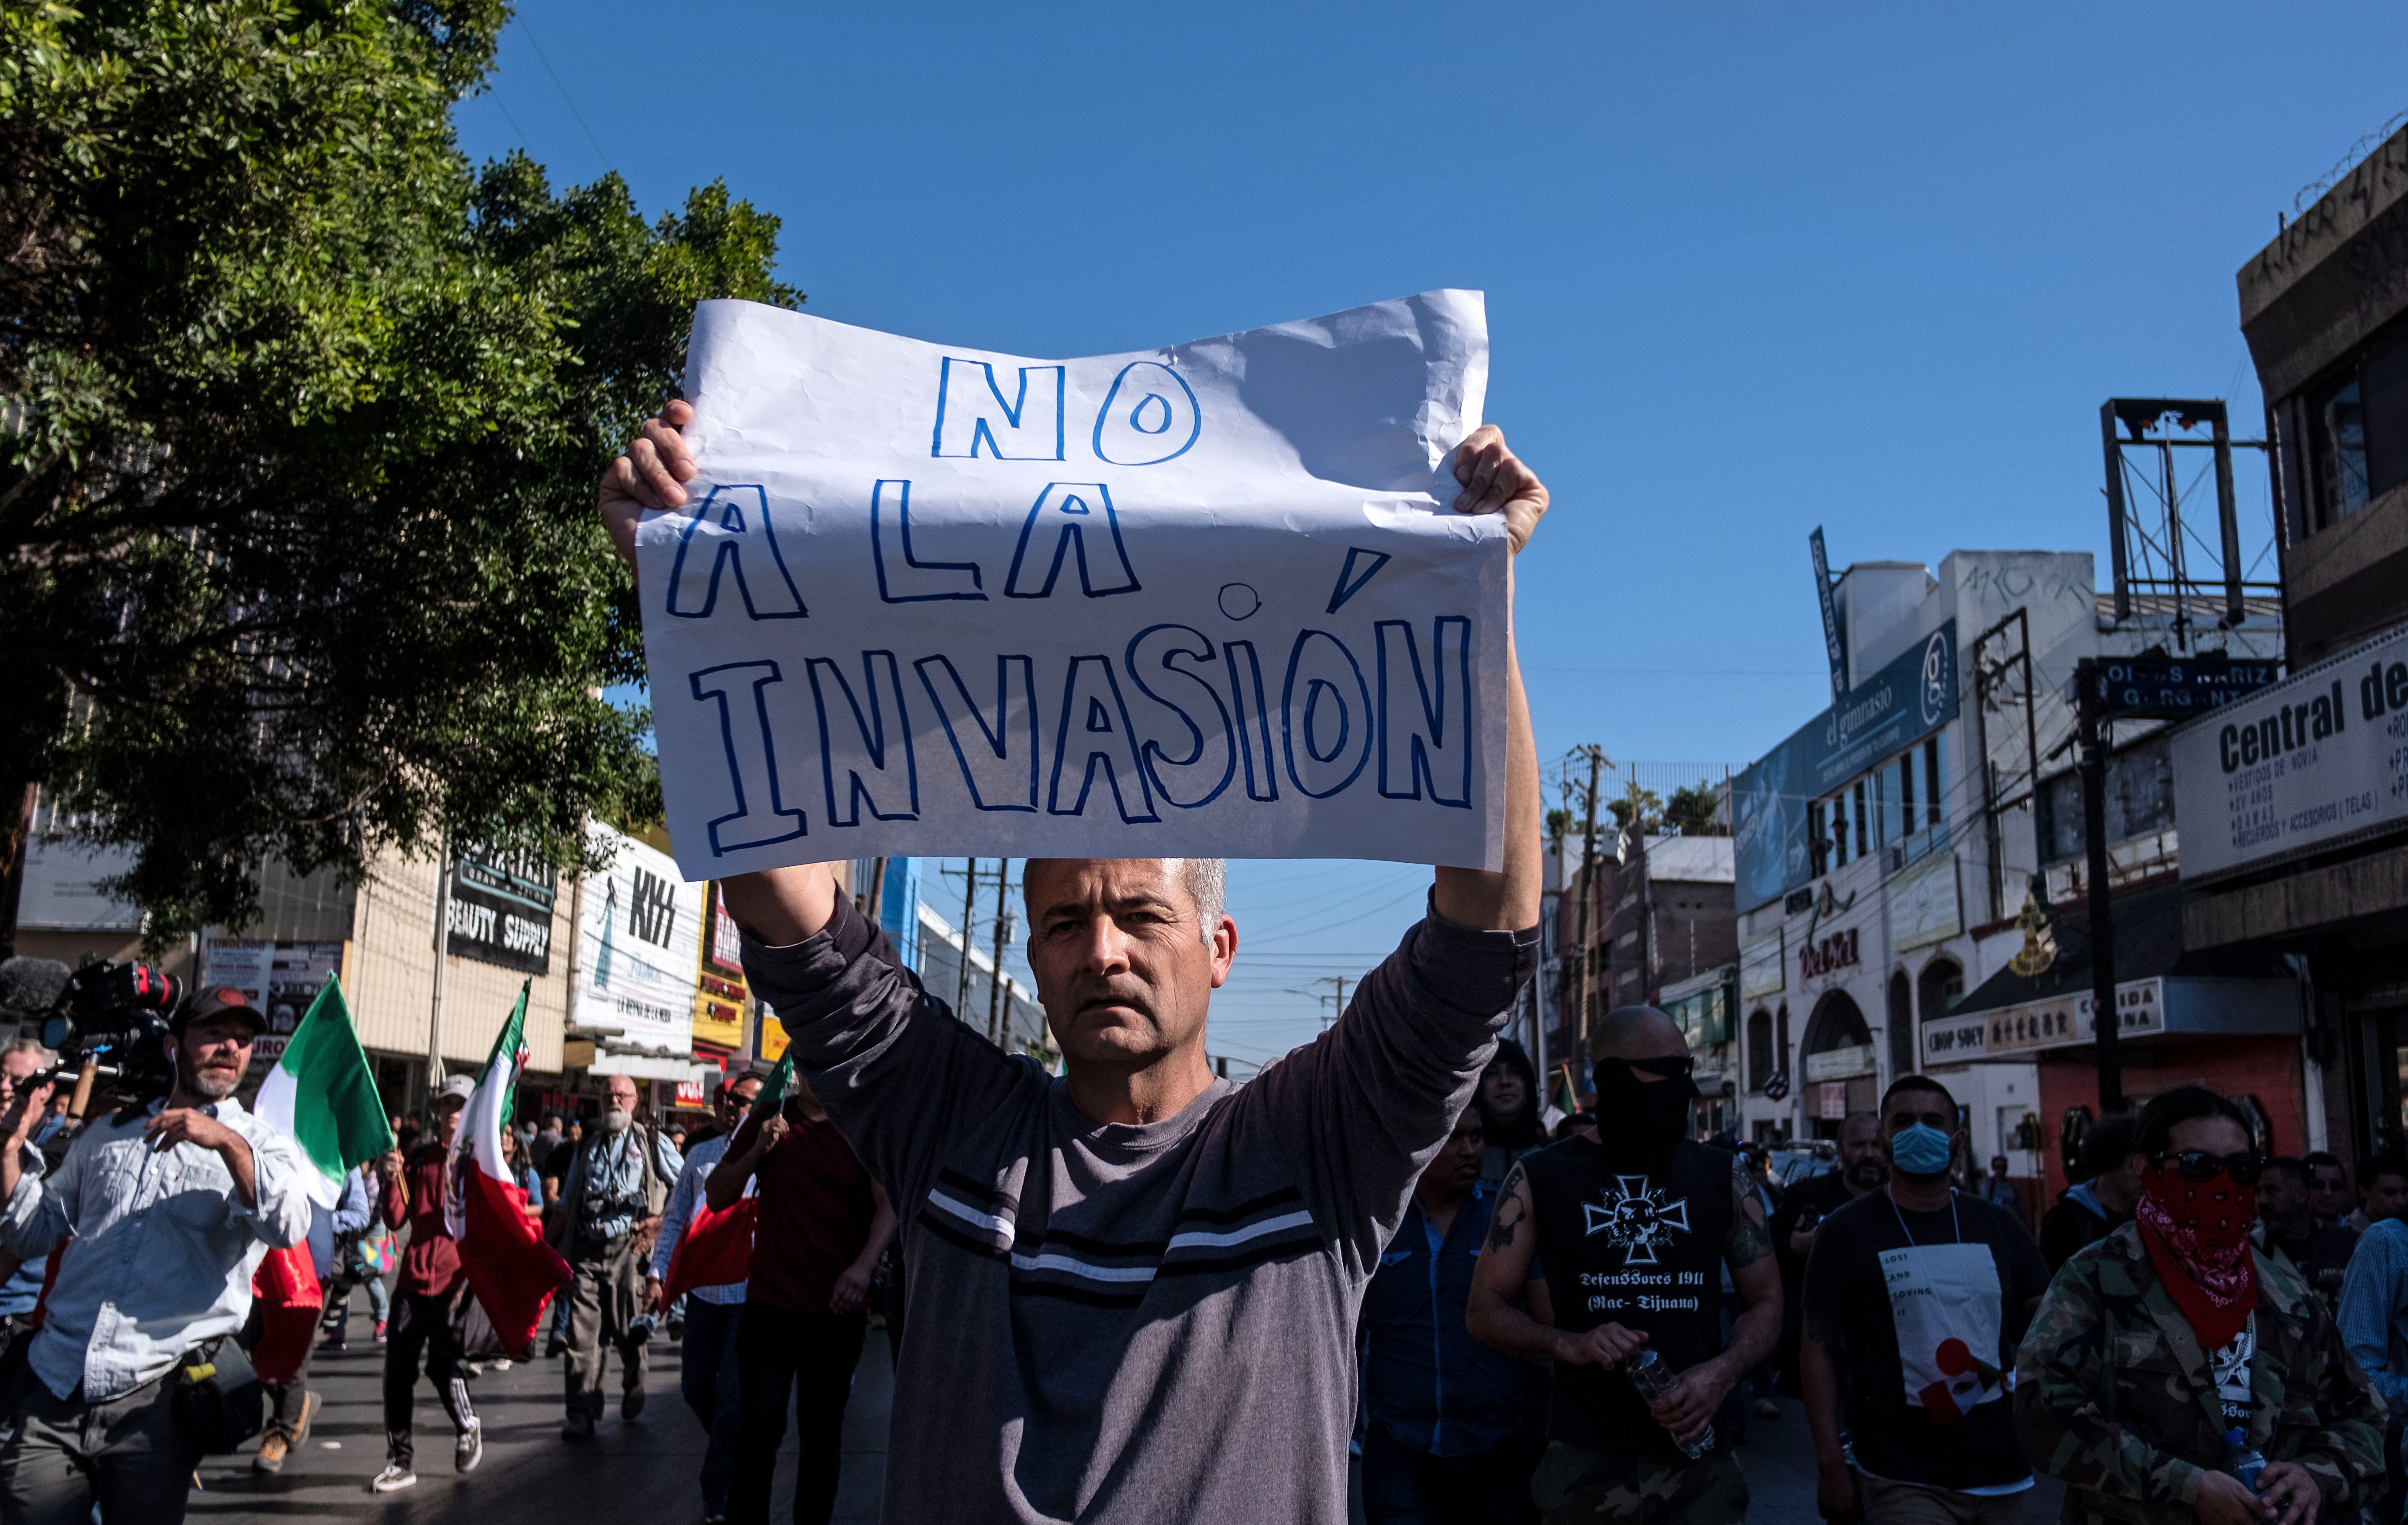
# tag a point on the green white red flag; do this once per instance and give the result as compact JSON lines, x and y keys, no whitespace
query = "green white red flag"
{"x":717,"y":1247}
{"x":512,"y":1269}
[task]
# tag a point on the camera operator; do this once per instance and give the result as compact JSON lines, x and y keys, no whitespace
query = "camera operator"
{"x":166,"y":1210}
{"x":21,"y":1062}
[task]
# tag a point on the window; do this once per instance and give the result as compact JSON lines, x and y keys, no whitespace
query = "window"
{"x":1861,"y":845}
{"x":1931,"y":793}
{"x":1906,"y":791}
{"x":1901,"y":1025}
{"x":1760,"y":1049}
{"x":2337,"y":429}
{"x":2357,"y":429}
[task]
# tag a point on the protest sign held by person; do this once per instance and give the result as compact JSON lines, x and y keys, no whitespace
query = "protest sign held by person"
{"x":1145,"y":1271}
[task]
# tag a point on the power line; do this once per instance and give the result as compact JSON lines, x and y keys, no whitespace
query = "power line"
{"x":564,"y":95}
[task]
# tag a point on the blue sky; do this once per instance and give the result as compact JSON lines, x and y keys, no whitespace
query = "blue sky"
{"x":1749,"y":268}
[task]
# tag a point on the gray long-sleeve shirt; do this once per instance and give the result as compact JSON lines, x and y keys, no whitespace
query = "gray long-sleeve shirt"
{"x":1136,"y":1324}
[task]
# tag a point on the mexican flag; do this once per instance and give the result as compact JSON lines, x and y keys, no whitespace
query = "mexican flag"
{"x":322,"y":1093}
{"x":717,"y":1247}
{"x":512,"y":1269}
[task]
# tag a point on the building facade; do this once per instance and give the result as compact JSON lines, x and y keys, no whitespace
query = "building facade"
{"x":1890,"y":853}
{"x":2297,"y":798}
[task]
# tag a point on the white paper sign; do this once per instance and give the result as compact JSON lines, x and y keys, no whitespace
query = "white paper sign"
{"x":1209,"y":600}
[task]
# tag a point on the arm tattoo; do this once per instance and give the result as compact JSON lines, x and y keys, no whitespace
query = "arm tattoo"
{"x":1509,"y":1211}
{"x":1747,"y":1242}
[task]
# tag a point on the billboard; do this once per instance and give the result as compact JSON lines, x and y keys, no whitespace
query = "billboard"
{"x":1914,"y":696}
{"x":2311,"y":762}
{"x":638,"y":945}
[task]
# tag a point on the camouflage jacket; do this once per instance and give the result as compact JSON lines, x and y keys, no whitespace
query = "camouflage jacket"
{"x":2113,"y":1396}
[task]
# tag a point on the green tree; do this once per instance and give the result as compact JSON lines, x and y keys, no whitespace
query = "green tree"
{"x":300,"y":415}
{"x":1638,"y":808}
{"x":1691,"y":809}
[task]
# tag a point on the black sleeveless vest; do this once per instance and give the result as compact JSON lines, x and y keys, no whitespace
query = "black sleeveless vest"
{"x":1643,"y":1248}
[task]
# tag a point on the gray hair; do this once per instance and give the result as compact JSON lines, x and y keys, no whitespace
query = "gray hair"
{"x":1207,"y":880}
{"x":27,"y":1043}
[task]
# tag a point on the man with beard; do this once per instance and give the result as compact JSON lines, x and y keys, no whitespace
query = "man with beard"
{"x":166,"y":1210}
{"x":609,"y":1213}
{"x":1803,"y":1207}
{"x":1920,"y":1293}
{"x":1634,"y":1228}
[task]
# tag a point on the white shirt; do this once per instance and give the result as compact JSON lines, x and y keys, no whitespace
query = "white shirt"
{"x":160,"y":1251}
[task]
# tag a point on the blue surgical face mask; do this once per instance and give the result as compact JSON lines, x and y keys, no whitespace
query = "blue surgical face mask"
{"x":1920,"y":1150}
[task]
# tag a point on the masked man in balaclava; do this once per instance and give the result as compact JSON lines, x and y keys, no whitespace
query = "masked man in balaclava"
{"x":1633,"y":1231}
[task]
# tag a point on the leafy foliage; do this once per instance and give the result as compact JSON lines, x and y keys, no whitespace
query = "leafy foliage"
{"x":1691,"y":810}
{"x":299,"y":419}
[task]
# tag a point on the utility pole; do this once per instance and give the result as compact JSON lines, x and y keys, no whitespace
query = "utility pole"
{"x":2106,"y":1021}
{"x":969,"y":912}
{"x":1326,"y":1000}
{"x":996,"y":1025}
{"x":1595,"y":755}
{"x":442,"y":957}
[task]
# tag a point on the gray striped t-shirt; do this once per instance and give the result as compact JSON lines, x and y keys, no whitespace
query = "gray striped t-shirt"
{"x":1135,"y":1325}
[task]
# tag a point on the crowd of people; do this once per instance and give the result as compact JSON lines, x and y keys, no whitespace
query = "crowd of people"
{"x":1133,"y":1291}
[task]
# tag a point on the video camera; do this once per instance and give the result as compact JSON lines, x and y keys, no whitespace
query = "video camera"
{"x":111,"y":1018}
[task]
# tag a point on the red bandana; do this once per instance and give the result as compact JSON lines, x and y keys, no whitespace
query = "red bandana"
{"x":2197,"y":1234}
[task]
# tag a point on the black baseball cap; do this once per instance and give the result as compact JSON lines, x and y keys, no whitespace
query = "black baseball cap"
{"x":214,"y":1001}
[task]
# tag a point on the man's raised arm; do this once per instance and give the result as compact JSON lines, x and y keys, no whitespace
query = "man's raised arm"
{"x":777,"y":907}
{"x":1495,"y":481}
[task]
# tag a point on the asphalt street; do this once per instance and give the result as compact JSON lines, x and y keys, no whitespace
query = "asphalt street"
{"x":645,"y":1470}
{"x":641,"y":1473}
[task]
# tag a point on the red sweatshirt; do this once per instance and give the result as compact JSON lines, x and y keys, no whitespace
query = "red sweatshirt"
{"x":432,"y":1263}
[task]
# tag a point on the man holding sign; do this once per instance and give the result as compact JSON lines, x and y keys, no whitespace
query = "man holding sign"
{"x":1133,"y":1288}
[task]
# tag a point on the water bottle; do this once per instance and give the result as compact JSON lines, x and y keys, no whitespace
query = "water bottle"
{"x":1654,"y":1376}
{"x":2243,"y":1460}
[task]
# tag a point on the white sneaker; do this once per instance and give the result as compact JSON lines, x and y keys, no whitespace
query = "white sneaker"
{"x":501,"y":1365}
{"x":393,"y":1479}
{"x":469,"y":1448}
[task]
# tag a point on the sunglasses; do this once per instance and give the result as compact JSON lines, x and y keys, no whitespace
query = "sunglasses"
{"x":1671,"y":1067}
{"x":2199,"y":1165}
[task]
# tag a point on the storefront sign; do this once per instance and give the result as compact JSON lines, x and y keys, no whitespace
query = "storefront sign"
{"x":2058,"y":1022}
{"x":1840,"y":1063}
{"x":1833,"y":951}
{"x":1905,"y":701}
{"x":2307,"y":763}
{"x":1831,"y":1103}
{"x":1761,"y":972}
{"x":1704,"y":1017}
{"x":501,"y":909}
{"x":1923,"y":904}
{"x":719,"y":1000}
